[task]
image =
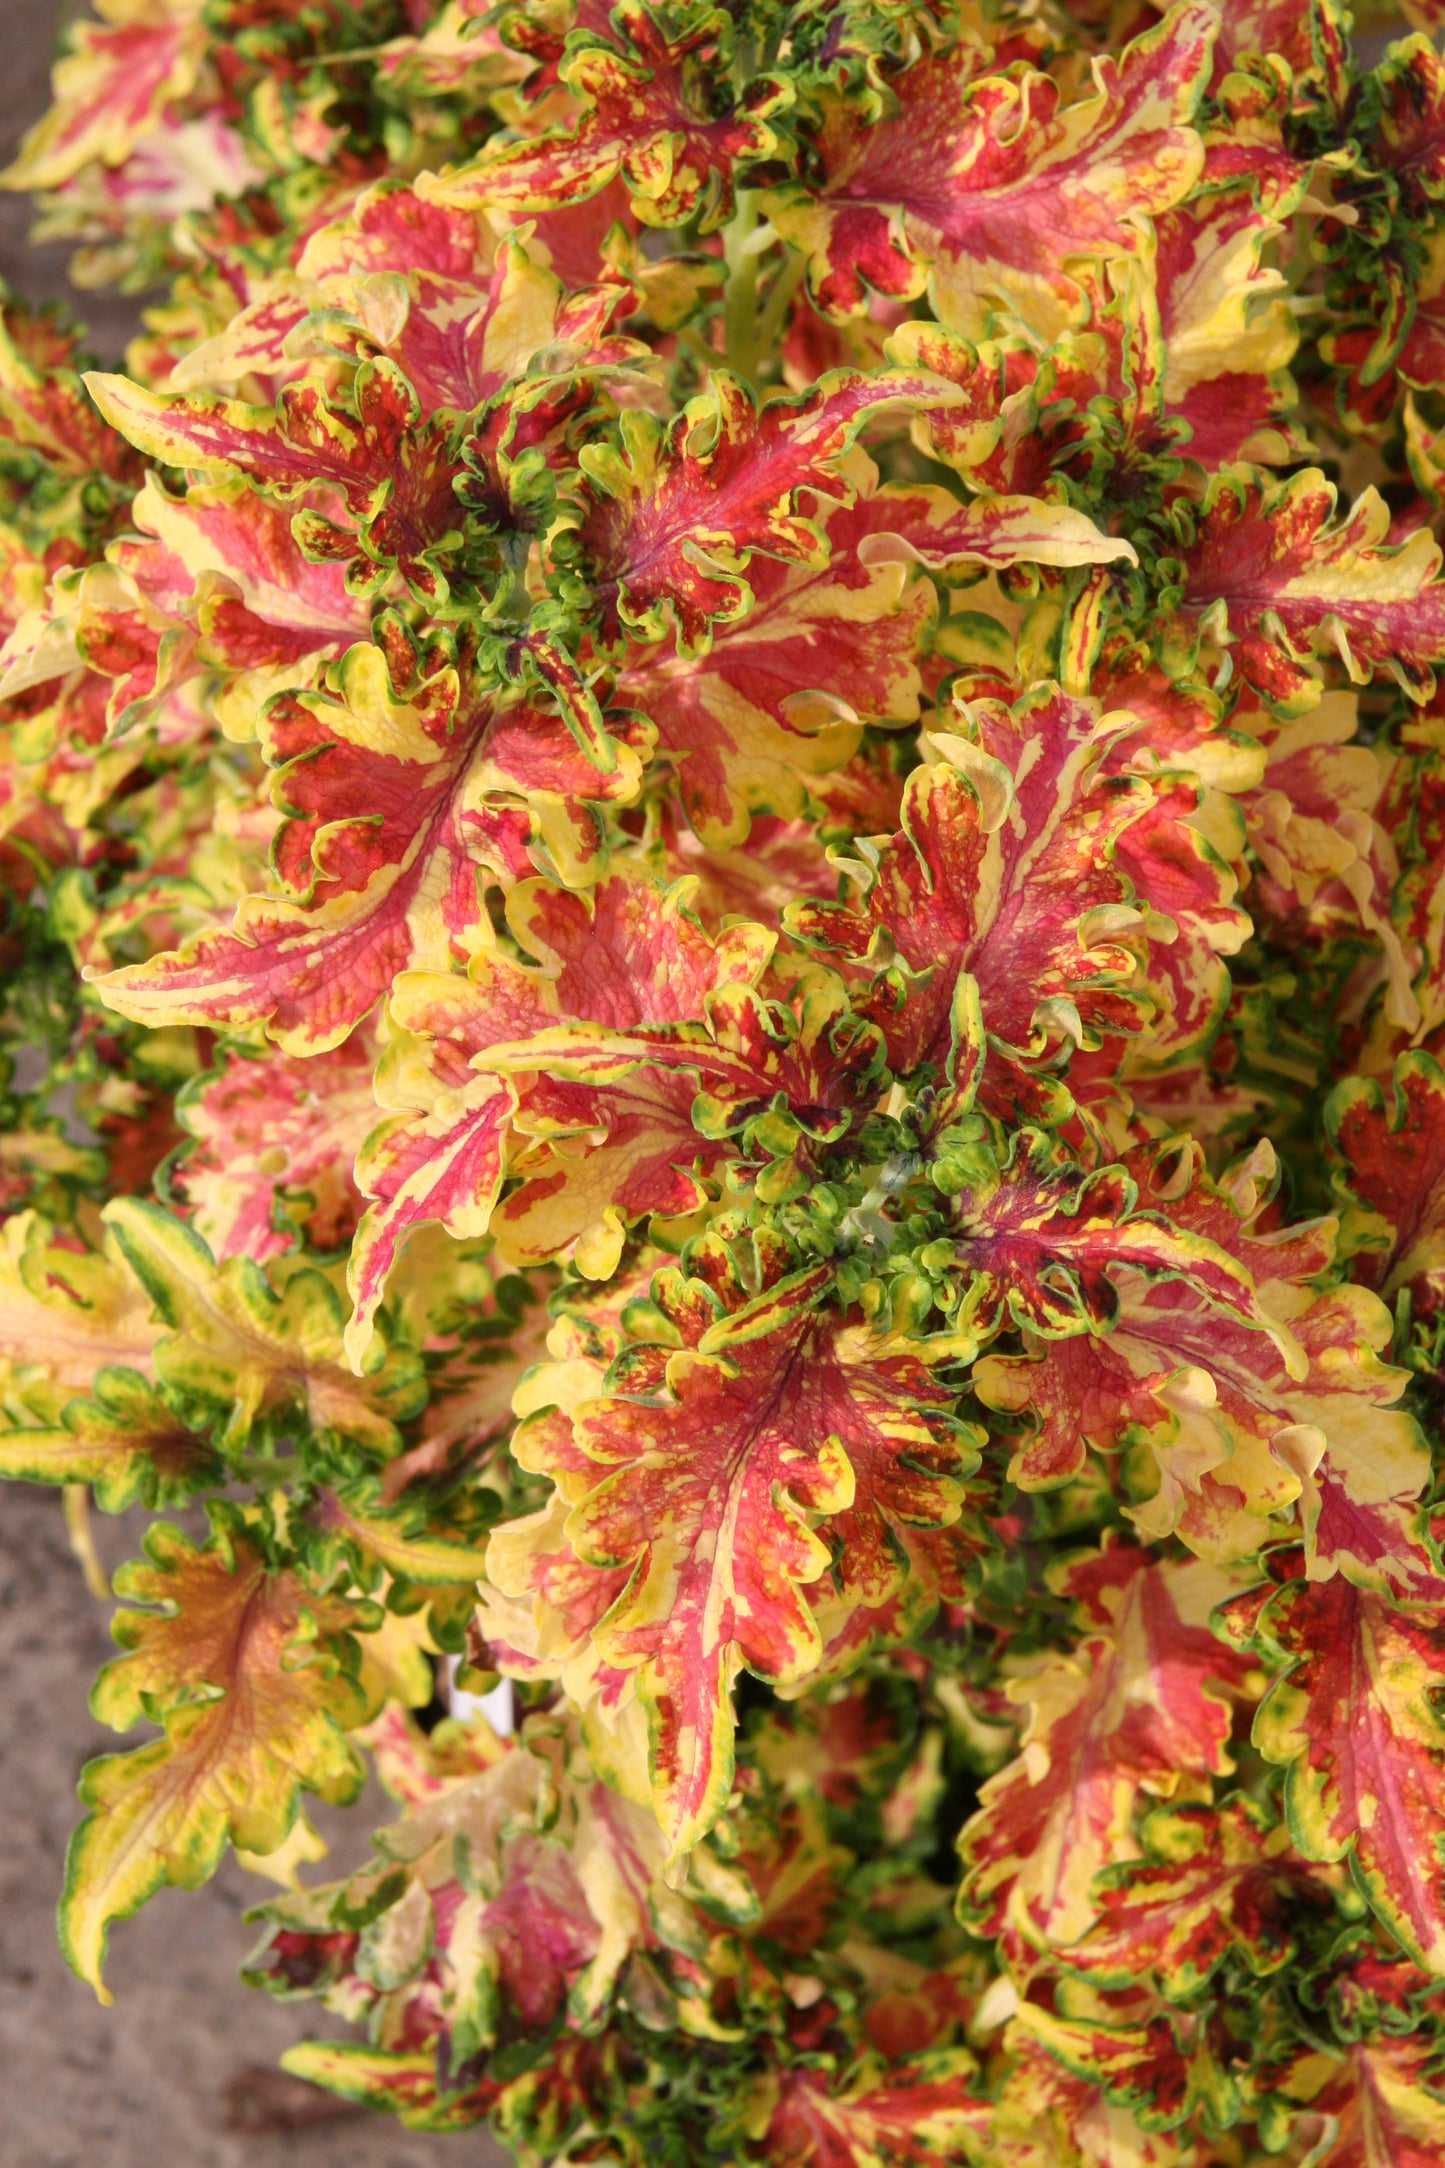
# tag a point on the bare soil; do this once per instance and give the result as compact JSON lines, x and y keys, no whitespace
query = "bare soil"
{"x":180,"y":2072}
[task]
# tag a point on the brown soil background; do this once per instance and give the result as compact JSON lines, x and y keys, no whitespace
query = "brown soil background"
{"x":143,"y":2084}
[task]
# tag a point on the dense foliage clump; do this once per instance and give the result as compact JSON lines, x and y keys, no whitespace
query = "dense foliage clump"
{"x":722,"y":866}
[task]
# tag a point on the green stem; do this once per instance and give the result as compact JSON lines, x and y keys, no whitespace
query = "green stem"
{"x":780,"y":296}
{"x":706,"y":357}
{"x":740,"y":296}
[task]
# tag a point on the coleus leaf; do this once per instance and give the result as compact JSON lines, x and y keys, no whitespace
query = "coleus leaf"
{"x":65,"y":1315}
{"x":628,"y":955}
{"x":239,"y":1352}
{"x":253,"y":1677}
{"x":540,"y":1604}
{"x":275,"y":1140}
{"x":1265,"y":26}
{"x":510,"y":1891}
{"x":1378,"y":1987}
{"x":1175,"y":359}
{"x":915,"y":2111}
{"x":1325,"y":861}
{"x":781,"y":1040}
{"x":1045,"y":2113}
{"x":796,"y":1033}
{"x":97,"y":613}
{"x":394,"y":800}
{"x":974,"y":184}
{"x":1276,"y":582}
{"x":397,"y":2081}
{"x":481,"y":1333}
{"x":391,"y":470}
{"x":223,"y":562}
{"x":996,"y":531}
{"x":844,"y":1744}
{"x":398,"y":1539}
{"x":1407,"y":121}
{"x":1393,"y":1178}
{"x":1412,"y":812}
{"x":795,"y":1873}
{"x":697,"y":1474}
{"x":1009,"y":866}
{"x":423,"y":285}
{"x":782,"y":694}
{"x":1227,"y":337}
{"x":765,"y":1032}
{"x":1379,"y":2101}
{"x":1354,"y":1719}
{"x":109,"y":90}
{"x":974,"y":407}
{"x":458,"y":48}
{"x":557,"y":2091}
{"x":1247,"y":1404}
{"x":1212,"y":1881}
{"x":123,"y":1440}
{"x":43,"y":404}
{"x":654,"y":109}
{"x":1146,"y":2062}
{"x":1039,"y":1238}
{"x":1403,"y":338}
{"x":669,"y":519}
{"x":1137,"y":1709}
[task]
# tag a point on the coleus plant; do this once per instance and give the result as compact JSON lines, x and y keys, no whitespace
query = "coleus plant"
{"x":723,"y":846}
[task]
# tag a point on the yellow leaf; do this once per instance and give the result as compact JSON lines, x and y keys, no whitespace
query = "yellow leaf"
{"x":240,"y":1347}
{"x":252,"y":1677}
{"x":64,"y":1314}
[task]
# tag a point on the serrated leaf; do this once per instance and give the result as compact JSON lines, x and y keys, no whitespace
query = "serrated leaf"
{"x":390,"y":821}
{"x":392,"y":469}
{"x":714,"y":1476}
{"x":400,"y":1541}
{"x":783,"y":693}
{"x":1354,"y":1719}
{"x":917,"y":2111}
{"x":629,"y":955}
{"x":973,"y":182}
{"x":1212,"y":1881}
{"x":240,"y":1351}
{"x":669,"y":522}
{"x":1273,"y":1403}
{"x":275,"y":1140}
{"x":1380,"y":2101}
{"x":124,"y":1441}
{"x":1139,"y":1707}
{"x":645,"y":113}
{"x":1393,"y":1178}
{"x":1038,"y":1242}
{"x":109,"y":91}
{"x":1278,"y":582}
{"x":513,"y":1886}
{"x":252,"y":1677}
{"x":1030,"y":857}
{"x":65,"y":1314}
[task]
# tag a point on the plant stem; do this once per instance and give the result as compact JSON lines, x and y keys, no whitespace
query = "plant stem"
{"x":740,"y":340}
{"x":780,"y":296}
{"x":76,"y":1499}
